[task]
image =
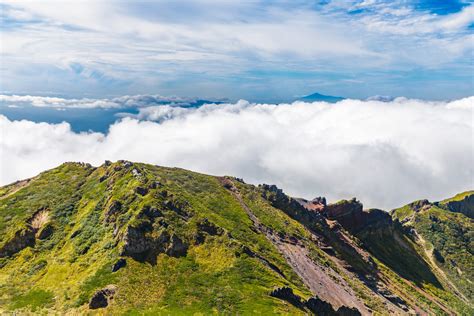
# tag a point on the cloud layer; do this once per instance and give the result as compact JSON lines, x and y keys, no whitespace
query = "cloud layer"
{"x":384,"y":153}
{"x":90,"y":103}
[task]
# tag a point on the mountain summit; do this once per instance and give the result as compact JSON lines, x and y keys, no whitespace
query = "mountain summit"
{"x":132,"y":238}
{"x":320,"y":97}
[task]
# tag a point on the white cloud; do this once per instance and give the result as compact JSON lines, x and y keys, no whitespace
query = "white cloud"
{"x":88,"y":103}
{"x":404,"y":21}
{"x":127,"y":47}
{"x":385,"y":153}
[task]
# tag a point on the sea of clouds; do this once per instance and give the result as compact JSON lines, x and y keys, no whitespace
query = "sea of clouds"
{"x":384,"y":153}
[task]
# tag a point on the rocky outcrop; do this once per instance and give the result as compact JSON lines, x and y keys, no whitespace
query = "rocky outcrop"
{"x":286,"y":294}
{"x":289,"y":205}
{"x":137,"y":241}
{"x":102,"y":297}
{"x":141,"y":191}
{"x":316,"y":205}
{"x":37,"y":227}
{"x":322,"y":308}
{"x":464,"y":206}
{"x":150,"y":213}
{"x":142,"y":244}
{"x":22,"y":239}
{"x":206,"y":228}
{"x":176,"y":247}
{"x":315,"y":305}
{"x":115,"y":208}
{"x":178,"y":206}
{"x":353,"y":218}
{"x":45,"y":232}
{"x":121,"y":263}
{"x":419,"y":205}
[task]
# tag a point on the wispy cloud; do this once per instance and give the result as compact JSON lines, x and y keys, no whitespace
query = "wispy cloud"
{"x":385,"y":153}
{"x":187,"y":47}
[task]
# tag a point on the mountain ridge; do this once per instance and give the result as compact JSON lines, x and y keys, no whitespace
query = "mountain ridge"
{"x":148,"y":239}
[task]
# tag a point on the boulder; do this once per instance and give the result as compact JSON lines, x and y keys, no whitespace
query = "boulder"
{"x":142,"y":191}
{"x":101,"y":298}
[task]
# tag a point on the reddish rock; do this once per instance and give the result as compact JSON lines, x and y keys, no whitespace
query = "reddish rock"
{"x":353,"y":218}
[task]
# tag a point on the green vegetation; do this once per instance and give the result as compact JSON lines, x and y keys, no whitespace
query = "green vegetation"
{"x":33,"y":300}
{"x":198,"y":244}
{"x":458,"y":197}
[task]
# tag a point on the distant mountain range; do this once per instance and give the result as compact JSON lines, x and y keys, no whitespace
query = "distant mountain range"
{"x":320,"y":97}
{"x":137,"y":239}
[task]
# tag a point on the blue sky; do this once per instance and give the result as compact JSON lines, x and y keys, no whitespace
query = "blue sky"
{"x":256,"y":50}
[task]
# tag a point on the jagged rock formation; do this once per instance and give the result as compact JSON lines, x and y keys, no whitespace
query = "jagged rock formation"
{"x":133,"y":238}
{"x":314,"y":304}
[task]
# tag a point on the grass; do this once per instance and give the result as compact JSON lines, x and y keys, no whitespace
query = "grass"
{"x":61,"y":273}
{"x":458,"y":197}
{"x":33,"y":300}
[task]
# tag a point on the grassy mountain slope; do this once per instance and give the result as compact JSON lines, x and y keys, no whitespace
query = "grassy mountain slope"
{"x":130,"y":238}
{"x":445,"y":237}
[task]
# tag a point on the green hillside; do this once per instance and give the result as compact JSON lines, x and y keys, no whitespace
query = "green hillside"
{"x":131,"y":238}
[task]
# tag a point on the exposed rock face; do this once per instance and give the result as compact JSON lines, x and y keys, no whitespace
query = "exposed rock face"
{"x":286,"y":294}
{"x":136,"y":241}
{"x":206,"y":226}
{"x":322,"y":308}
{"x":150,"y":212}
{"x":315,"y":205}
{"x":102,"y":298}
{"x":314,"y":304}
{"x":353,"y":218}
{"x":143,"y":245}
{"x":177,"y":205}
{"x":113,"y":210}
{"x":347,"y":311}
{"x":419,"y":205}
{"x":45,"y":232}
{"x":289,"y":205}
{"x":103,"y":178}
{"x":464,"y":206}
{"x":26,"y":237}
{"x":22,"y":239}
{"x":119,"y":264}
{"x":176,"y":247}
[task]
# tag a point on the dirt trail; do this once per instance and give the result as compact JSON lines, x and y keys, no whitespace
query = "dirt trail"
{"x":323,"y":282}
{"x":429,"y":255}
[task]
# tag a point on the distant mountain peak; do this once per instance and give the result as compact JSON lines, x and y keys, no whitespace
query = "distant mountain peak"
{"x":321,"y":97}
